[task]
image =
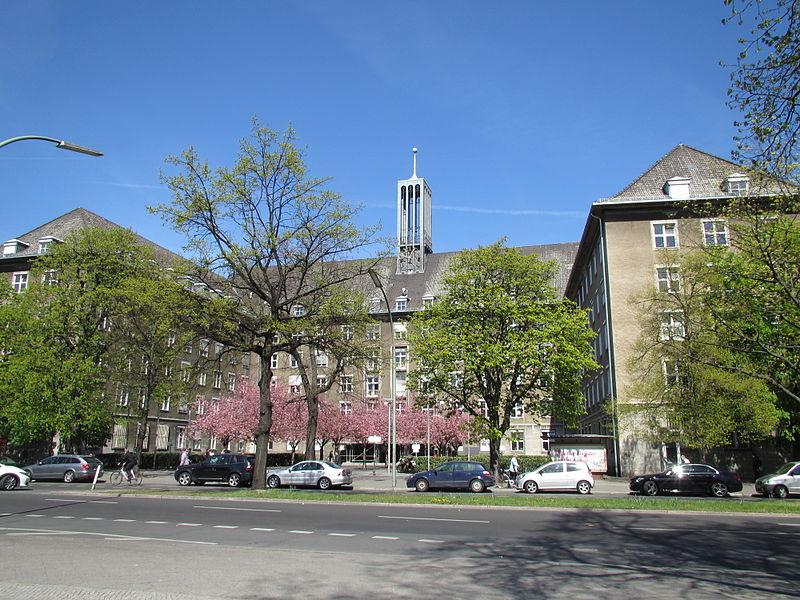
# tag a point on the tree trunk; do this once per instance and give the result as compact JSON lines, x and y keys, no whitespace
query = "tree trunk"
{"x":494,"y":457}
{"x":264,"y":421}
{"x":309,"y":379}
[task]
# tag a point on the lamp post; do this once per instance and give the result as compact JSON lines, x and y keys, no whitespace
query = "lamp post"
{"x":59,"y":144}
{"x":393,"y":420}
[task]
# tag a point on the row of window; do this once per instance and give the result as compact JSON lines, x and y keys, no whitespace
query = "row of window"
{"x":665,"y":233}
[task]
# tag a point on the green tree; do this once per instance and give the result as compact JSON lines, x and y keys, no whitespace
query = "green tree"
{"x":501,"y":337}
{"x":266,"y":238}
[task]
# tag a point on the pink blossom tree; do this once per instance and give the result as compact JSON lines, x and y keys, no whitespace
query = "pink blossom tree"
{"x":335,"y":426}
{"x":232,"y":417}
{"x":448,"y":432}
{"x":289,"y":420}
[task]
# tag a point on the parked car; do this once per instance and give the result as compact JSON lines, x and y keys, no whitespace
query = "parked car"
{"x":456,"y":474}
{"x":688,"y":479}
{"x":13,"y":477}
{"x":561,"y":475}
{"x":784,"y":481}
{"x":320,"y":473}
{"x":233,"y":469}
{"x":66,"y":468}
{"x":8,"y":461}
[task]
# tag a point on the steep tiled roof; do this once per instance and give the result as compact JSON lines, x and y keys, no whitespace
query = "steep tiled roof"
{"x":706,"y":172}
{"x":74,"y":220}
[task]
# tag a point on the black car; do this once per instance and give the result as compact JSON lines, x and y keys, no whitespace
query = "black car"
{"x":688,"y":479}
{"x":455,"y":474}
{"x":233,"y":469}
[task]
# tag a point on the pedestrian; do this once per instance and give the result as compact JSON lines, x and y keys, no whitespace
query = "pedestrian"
{"x":513,"y":470}
{"x":184,"y":457}
{"x":330,"y":456}
{"x":756,"y":466}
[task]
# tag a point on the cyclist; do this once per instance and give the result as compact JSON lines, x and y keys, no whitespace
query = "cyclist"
{"x":128,"y":463}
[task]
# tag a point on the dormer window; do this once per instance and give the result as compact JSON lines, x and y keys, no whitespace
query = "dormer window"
{"x":13,"y":246}
{"x":677,"y":188}
{"x":427,"y":302}
{"x":737,"y":184}
{"x":298,"y":310}
{"x":46,"y":244}
{"x":401,"y":303}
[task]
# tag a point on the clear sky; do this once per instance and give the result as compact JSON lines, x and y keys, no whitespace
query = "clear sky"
{"x":523,"y":112}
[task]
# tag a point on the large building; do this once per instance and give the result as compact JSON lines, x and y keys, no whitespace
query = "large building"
{"x":632,"y":241}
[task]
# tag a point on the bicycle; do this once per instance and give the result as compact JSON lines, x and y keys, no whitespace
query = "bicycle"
{"x":117,"y":477}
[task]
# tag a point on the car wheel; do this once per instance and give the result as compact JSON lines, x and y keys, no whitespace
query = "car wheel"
{"x":780,"y":491}
{"x":476,"y":486}
{"x":69,"y":476}
{"x":719,"y":489}
{"x":184,"y":478}
{"x":273,"y":481}
{"x":324,"y":483}
{"x":234,"y":480}
{"x":9,"y":482}
{"x":530,"y":487}
{"x":584,"y":487}
{"x":650,"y":488}
{"x":422,"y":485}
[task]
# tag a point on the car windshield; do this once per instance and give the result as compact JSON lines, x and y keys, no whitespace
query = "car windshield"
{"x":331,"y":464}
{"x":785,"y":468}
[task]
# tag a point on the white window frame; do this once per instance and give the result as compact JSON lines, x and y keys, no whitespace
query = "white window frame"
{"x":715,"y":233}
{"x":273,"y":360}
{"x":672,"y":326}
{"x":373,"y":362}
{"x":346,"y":384}
{"x":231,"y":382}
{"x":654,"y":236}
{"x":186,"y":372}
{"x":401,"y":303}
{"x":374,"y":332}
{"x":202,"y":378}
{"x":19,"y":281}
{"x":165,"y":403}
{"x":372,"y":386}
{"x":322,"y":381}
{"x":517,"y":440}
{"x":518,"y":410}
{"x":401,"y":358}
{"x":122,"y":396}
{"x":204,"y":345}
{"x":345,"y":407}
{"x":347,"y":332}
{"x":217,"y":380}
{"x":670,"y":281}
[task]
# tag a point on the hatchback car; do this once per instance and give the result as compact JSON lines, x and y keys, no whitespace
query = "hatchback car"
{"x":319,"y":473}
{"x":232,"y":469}
{"x":66,"y":468}
{"x":784,"y":481}
{"x":456,"y":474}
{"x":560,"y":475}
{"x":688,"y":479}
{"x":13,"y":477}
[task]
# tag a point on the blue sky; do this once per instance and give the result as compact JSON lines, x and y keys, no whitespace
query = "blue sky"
{"x":524,"y":112}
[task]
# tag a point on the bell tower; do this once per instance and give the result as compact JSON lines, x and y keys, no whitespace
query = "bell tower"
{"x":413,"y":222}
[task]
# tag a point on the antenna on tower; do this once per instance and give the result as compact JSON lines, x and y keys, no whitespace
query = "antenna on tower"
{"x":414,"y":175}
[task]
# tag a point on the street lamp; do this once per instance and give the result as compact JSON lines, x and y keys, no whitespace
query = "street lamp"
{"x":59,"y":144}
{"x":393,"y":420}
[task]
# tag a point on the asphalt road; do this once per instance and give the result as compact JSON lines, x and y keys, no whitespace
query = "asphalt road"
{"x":61,"y":546}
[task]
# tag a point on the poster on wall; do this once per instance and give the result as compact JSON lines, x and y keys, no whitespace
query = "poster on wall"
{"x":595,"y":457}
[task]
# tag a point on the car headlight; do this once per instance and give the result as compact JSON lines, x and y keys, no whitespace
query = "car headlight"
{"x":638,"y":479}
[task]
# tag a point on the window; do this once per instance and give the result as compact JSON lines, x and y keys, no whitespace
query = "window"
{"x":246,"y":361}
{"x":197,"y":443}
{"x":672,"y":373}
{"x":201,"y":378}
{"x":294,"y":389}
{"x":554,"y":468}
{"x":186,"y":372}
{"x":165,"y":403}
{"x":233,"y":359}
{"x":293,"y":360}
{"x":183,"y":405}
{"x":373,"y":332}
{"x":49,"y":278}
{"x":345,"y":406}
{"x":737,"y":185}
{"x":672,"y":326}
{"x":347,"y":332}
{"x":322,"y":381}
{"x":168,"y":371}
{"x":373,"y":359}
{"x":187,"y":349}
{"x":401,"y":358}
{"x":518,"y":411}
{"x":204,"y":344}
{"x":122,"y":396}
{"x":373,"y":385}
{"x":171,"y":340}
{"x":231,"y":382}
{"x":400,"y":383}
{"x":19,"y":282}
{"x":219,"y":348}
{"x":400,"y":331}
{"x":321,"y":357}
{"x":142,"y":397}
{"x":298,"y":310}
{"x":517,"y":441}
{"x":715,"y":233}
{"x":456,"y":379}
{"x":665,"y":234}
{"x":217,"y":379}
{"x":668,"y":279}
{"x":201,"y":406}
{"x":427,"y":302}
{"x":44,"y":246}
{"x":483,"y":408}
{"x":119,"y":439}
{"x":162,"y":437}
{"x":401,"y":303}
{"x":180,"y":437}
{"x":346,"y":384}
{"x":273,"y":361}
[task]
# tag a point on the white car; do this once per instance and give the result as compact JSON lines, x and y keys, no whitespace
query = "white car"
{"x":13,"y":477}
{"x":561,"y":476}
{"x":319,"y":473}
{"x":784,"y":481}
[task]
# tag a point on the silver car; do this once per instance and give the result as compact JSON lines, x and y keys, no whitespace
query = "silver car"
{"x":565,"y":476}
{"x":12,"y":477}
{"x":319,"y":473}
{"x":784,"y":481}
{"x":66,"y":468}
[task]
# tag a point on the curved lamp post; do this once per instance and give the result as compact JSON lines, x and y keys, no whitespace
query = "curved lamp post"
{"x":393,"y":420}
{"x":59,"y":144}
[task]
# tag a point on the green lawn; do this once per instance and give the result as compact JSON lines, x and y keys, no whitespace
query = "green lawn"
{"x":730,"y":505}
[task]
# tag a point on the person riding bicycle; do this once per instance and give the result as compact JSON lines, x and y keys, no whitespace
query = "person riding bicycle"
{"x":128,"y":463}
{"x":513,"y":471}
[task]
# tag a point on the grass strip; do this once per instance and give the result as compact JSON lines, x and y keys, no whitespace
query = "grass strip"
{"x":729,"y":505}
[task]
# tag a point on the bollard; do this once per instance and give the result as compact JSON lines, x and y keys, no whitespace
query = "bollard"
{"x":96,"y":475}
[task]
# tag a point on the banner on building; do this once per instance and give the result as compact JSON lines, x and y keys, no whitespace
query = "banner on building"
{"x":595,"y":456}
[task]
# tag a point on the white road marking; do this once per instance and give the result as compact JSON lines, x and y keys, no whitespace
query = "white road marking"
{"x":124,"y":520}
{"x":427,"y":541}
{"x":108,"y":536}
{"x":156,"y":522}
{"x":63,"y":517}
{"x":72,"y":500}
{"x":4,"y":514}
{"x":790,"y":524}
{"x":384,"y":537}
{"x":261,"y":529}
{"x":432,"y":519}
{"x":226,"y":527}
{"x":301,"y":531}
{"x":34,"y":516}
{"x":92,"y":519}
{"x":273,"y":510}
{"x":584,"y":549}
{"x":189,"y":525}
{"x":342,"y":534}
{"x":480,"y":544}
{"x":104,"y":502}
